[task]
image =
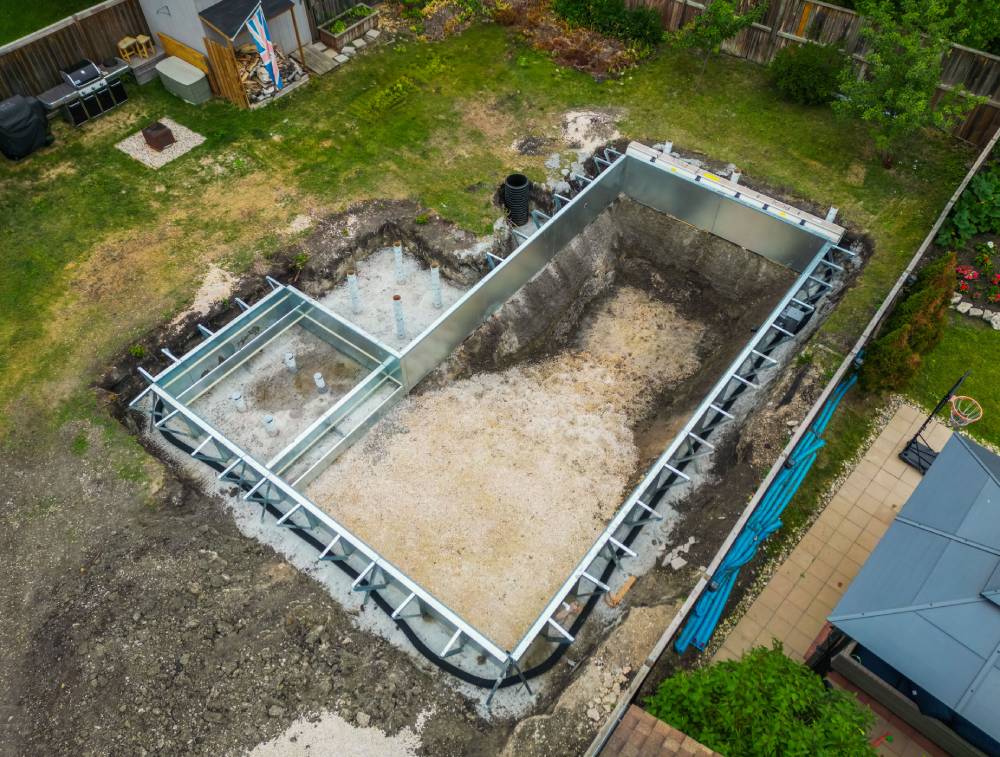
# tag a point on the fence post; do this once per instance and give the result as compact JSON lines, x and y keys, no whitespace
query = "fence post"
{"x":776,"y":24}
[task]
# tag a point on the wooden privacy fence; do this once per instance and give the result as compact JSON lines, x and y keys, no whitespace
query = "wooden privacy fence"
{"x":321,"y":11}
{"x":30,"y":65}
{"x":798,"y":22}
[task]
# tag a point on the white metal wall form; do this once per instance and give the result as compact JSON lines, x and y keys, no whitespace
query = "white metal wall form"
{"x":798,"y":240}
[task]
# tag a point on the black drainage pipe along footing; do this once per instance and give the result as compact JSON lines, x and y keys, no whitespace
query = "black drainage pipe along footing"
{"x":516,"y":188}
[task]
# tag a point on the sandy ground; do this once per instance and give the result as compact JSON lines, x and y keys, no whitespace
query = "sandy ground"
{"x":489,"y":490}
{"x":331,"y":734}
{"x":217,"y":285}
{"x":271,"y":389}
{"x":377,"y":284}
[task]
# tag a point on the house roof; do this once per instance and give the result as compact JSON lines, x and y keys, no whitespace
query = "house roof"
{"x":230,"y":16}
{"x":927,"y":601}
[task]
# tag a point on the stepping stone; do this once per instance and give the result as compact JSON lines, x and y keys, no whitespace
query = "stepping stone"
{"x":341,"y":59}
{"x":964,"y":307}
{"x":349,"y":51}
{"x":359,"y":44}
{"x":975,"y":312}
{"x":331,"y":53}
{"x":372,"y":34}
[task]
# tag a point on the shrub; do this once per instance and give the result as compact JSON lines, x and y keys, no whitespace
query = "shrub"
{"x":613,"y":19}
{"x":808,"y":74}
{"x":914,"y":328}
{"x":977,"y":210}
{"x":764,"y":703}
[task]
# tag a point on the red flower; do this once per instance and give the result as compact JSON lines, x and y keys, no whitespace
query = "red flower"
{"x":963,"y":287}
{"x":967,"y":272}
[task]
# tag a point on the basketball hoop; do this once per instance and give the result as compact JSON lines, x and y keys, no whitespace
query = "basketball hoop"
{"x":964,"y":411}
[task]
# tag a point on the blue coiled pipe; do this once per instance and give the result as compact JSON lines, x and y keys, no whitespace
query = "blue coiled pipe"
{"x":766,"y":519}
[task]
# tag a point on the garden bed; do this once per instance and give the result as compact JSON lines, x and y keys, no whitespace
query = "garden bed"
{"x":978,"y":276}
{"x":348,"y":26}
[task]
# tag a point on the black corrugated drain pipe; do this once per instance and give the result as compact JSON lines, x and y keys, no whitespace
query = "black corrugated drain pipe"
{"x":516,"y":189}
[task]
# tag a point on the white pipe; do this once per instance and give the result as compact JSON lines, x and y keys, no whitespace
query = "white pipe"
{"x":397,"y":310}
{"x":270,"y":425}
{"x":289,"y":361}
{"x":240,"y":401}
{"x":321,"y":386}
{"x":397,"y":251}
{"x":352,"y":287}
{"x":436,"y":285}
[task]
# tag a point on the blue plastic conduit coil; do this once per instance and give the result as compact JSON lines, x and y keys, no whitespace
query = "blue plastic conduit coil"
{"x":765,"y":520}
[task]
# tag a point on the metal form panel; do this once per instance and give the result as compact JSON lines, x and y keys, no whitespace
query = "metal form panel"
{"x":752,"y":220}
{"x":438,"y":341}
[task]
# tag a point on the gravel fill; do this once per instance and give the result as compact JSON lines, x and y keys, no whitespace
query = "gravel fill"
{"x":136,"y":147}
{"x":489,"y":490}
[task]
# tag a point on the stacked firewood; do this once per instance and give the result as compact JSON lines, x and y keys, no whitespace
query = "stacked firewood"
{"x":255,"y":77}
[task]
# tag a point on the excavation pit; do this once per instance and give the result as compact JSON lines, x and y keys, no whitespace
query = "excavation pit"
{"x":573,"y":391}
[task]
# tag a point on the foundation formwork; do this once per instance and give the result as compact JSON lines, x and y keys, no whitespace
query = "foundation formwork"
{"x":277,"y":482}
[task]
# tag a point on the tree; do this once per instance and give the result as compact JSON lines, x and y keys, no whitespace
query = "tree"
{"x":914,"y":328}
{"x":764,"y":703}
{"x":895,"y":96}
{"x":977,"y":24}
{"x":720,"y":21}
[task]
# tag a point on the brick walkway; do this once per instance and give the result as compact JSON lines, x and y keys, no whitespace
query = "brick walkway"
{"x":794,"y":605}
{"x":641,"y":735}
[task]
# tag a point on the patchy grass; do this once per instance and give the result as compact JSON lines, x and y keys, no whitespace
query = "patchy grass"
{"x":98,"y":249}
{"x":967,"y":345}
{"x":21,"y":18}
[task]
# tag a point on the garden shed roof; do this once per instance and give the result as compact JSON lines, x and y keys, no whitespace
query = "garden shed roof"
{"x":927,"y":601}
{"x":230,"y":16}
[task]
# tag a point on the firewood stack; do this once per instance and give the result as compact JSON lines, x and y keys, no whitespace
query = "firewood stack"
{"x":255,"y":77}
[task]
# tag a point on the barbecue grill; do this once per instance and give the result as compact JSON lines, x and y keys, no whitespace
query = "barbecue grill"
{"x":88,"y":90}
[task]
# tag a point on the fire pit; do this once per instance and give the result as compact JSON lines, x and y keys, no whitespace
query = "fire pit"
{"x":158,"y":136}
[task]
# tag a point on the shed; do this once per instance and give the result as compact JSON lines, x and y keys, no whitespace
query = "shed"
{"x":925,"y":607}
{"x":204,"y":32}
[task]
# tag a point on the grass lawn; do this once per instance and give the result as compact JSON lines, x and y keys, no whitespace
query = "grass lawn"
{"x":21,"y":18}
{"x":967,"y":345}
{"x":98,"y":249}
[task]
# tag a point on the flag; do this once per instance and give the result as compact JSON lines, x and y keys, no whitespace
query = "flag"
{"x":257,"y":26}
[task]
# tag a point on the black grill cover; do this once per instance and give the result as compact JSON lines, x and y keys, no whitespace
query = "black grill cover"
{"x":23,"y":126}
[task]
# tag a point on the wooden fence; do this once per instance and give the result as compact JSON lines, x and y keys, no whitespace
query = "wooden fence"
{"x":321,"y":11}
{"x":30,"y":65}
{"x":797,"y":22}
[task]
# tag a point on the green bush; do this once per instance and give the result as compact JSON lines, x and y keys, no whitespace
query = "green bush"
{"x":914,"y":329}
{"x":612,"y":18}
{"x":808,"y":74}
{"x":763,"y":704}
{"x":977,"y":210}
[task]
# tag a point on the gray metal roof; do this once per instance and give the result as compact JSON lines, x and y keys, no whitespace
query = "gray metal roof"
{"x":927,"y":601}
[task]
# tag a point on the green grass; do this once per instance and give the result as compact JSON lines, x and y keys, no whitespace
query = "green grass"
{"x":967,"y":345}
{"x":442,"y":139}
{"x":21,"y":18}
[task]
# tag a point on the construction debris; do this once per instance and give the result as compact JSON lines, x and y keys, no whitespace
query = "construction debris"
{"x":256,"y":79}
